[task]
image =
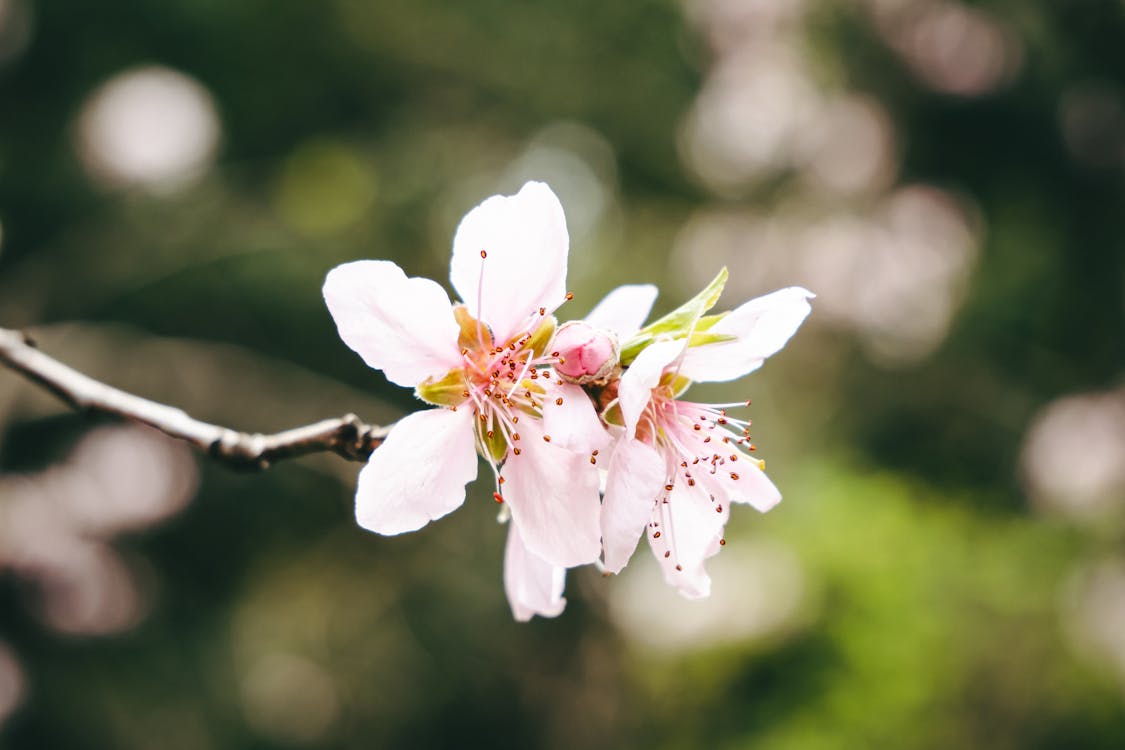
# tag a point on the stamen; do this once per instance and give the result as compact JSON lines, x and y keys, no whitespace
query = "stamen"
{"x":496,"y":495}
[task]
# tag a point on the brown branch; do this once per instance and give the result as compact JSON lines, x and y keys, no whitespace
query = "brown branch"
{"x":346,"y":436}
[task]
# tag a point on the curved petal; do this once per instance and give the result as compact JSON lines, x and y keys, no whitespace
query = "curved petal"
{"x":525,"y":239}
{"x":533,"y":586}
{"x":402,"y":326}
{"x":624,"y":310}
{"x":752,"y":487}
{"x":574,"y":423}
{"x":641,"y":377}
{"x":553,"y":496}
{"x":685,"y":531}
{"x":634,"y":485}
{"x":419,"y":474}
{"x":760,"y":327}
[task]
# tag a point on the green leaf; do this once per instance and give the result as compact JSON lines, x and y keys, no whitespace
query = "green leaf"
{"x":677,"y":324}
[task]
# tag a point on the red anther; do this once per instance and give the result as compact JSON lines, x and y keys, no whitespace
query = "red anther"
{"x":554,"y":354}
{"x":656,"y":535}
{"x":696,"y":427}
{"x":516,"y":451}
{"x":594,"y":453}
{"x":667,"y":553}
{"x":496,"y":495}
{"x":543,"y":311}
{"x":546,"y":438}
{"x":490,"y":434}
{"x":719,"y":509}
{"x":464,"y":351}
{"x":593,"y":460}
{"x":733,"y":475}
{"x":723,"y":542}
{"x":500,"y":480}
{"x":668,"y":488}
{"x":515,"y":436}
{"x":483,"y":254}
{"x":558,"y":401}
{"x":733,"y":457}
{"x":679,"y":567}
{"x":515,"y":419}
{"x":691,"y":483}
{"x":569,"y":296}
{"x":464,"y":394}
{"x":752,"y":448}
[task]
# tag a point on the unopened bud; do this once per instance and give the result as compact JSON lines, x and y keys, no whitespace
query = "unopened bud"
{"x":585,"y":354}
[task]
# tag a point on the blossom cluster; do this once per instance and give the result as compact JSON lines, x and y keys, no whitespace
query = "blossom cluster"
{"x":583,"y":425}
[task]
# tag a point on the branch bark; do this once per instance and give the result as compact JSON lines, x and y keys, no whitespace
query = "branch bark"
{"x":346,"y":436}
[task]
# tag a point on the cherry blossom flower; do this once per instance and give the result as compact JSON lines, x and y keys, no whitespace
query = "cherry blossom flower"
{"x":677,"y":466}
{"x":486,"y":364}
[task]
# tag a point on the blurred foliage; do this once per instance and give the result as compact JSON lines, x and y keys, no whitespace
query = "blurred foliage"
{"x":936,"y":605}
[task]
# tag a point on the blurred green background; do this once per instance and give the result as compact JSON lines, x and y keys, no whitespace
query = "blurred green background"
{"x":947,"y":569}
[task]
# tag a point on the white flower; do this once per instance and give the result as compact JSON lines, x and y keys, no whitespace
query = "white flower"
{"x":486,"y":365}
{"x":677,"y":466}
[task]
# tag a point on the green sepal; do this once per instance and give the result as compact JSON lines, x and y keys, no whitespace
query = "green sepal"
{"x":541,"y":336}
{"x":448,"y":391}
{"x":675,"y":382}
{"x":496,"y":445}
{"x":678,"y":323}
{"x":474,"y":334}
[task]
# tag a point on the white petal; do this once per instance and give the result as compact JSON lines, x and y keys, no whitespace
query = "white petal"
{"x":402,"y":326}
{"x":761,"y":327}
{"x":527,"y":243}
{"x":574,"y":423}
{"x":419,"y":474}
{"x":635,"y":483}
{"x":553,"y":496}
{"x":690,"y":528}
{"x":752,"y":487}
{"x":641,"y":377}
{"x":624,"y":310}
{"x":533,"y":586}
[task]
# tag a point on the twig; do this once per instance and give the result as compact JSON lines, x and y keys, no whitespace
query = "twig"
{"x":346,"y":436}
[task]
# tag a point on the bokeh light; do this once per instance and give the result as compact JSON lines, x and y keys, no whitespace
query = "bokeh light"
{"x":152,"y":127}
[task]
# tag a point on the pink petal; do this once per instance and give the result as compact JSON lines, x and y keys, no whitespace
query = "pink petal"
{"x":690,"y":529}
{"x":533,"y":586}
{"x":402,"y":326}
{"x":624,"y":310}
{"x":641,"y":377}
{"x":637,"y":475}
{"x":527,"y":243}
{"x":553,"y":496}
{"x":761,"y":327}
{"x":573,"y":424}
{"x":752,"y":487}
{"x":419,"y":474}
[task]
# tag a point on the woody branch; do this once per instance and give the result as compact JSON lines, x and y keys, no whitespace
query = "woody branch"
{"x":346,"y":436}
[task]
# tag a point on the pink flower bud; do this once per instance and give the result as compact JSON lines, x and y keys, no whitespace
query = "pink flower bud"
{"x":585,"y":354}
